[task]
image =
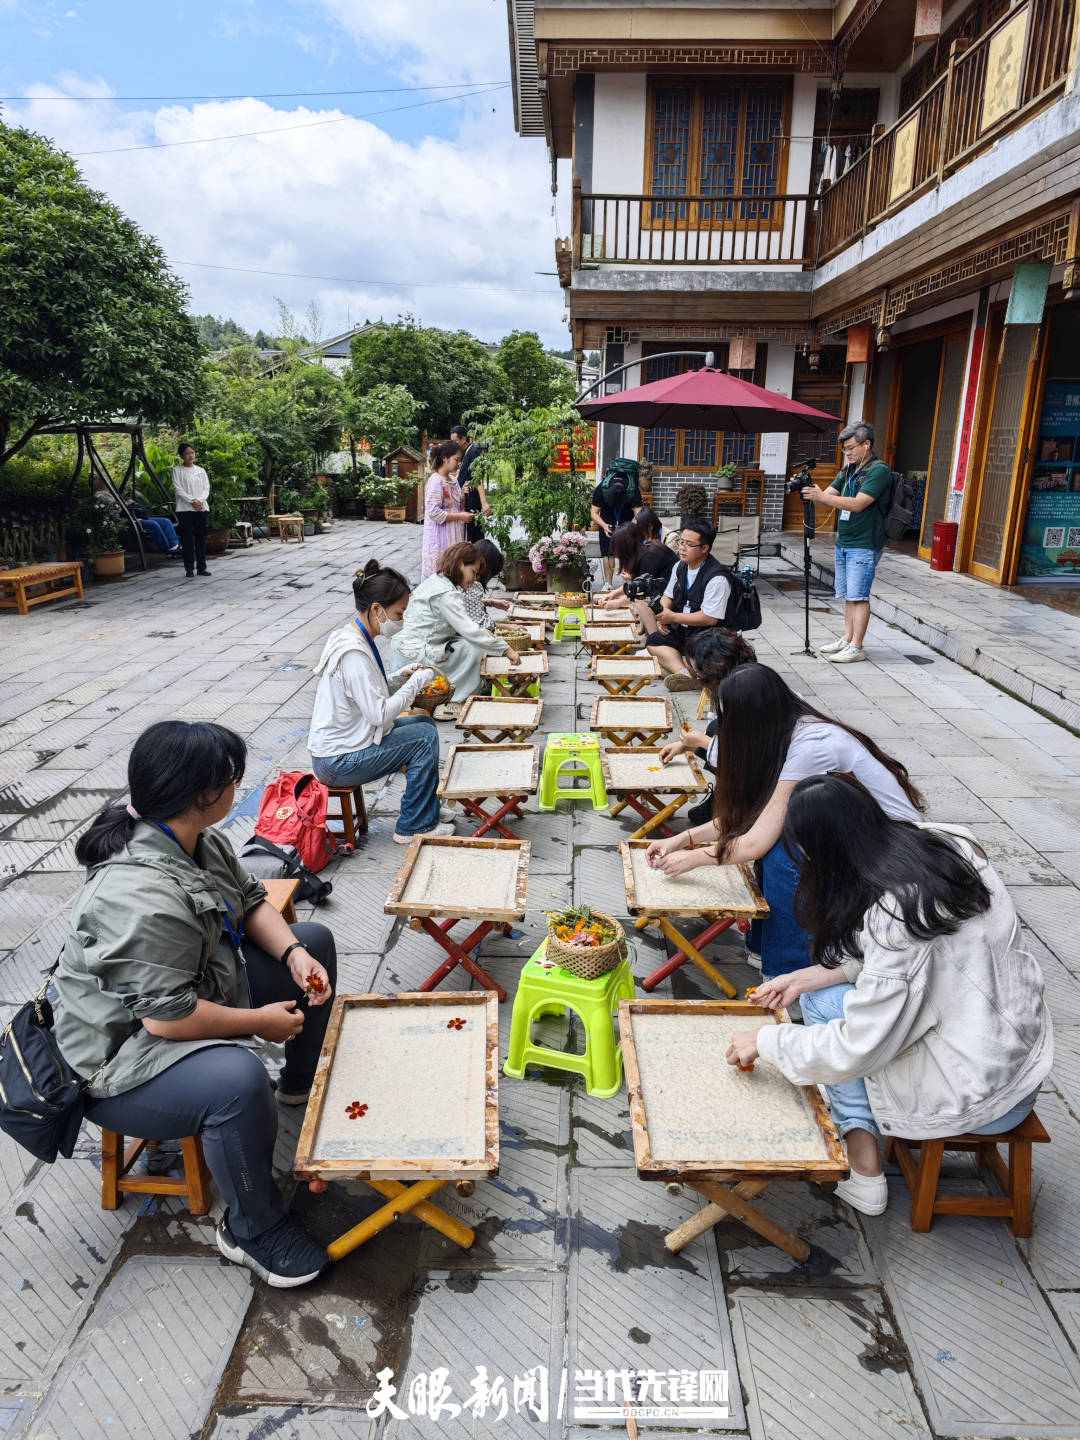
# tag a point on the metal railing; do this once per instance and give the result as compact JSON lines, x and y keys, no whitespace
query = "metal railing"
{"x":989,"y":88}
{"x":758,"y":230}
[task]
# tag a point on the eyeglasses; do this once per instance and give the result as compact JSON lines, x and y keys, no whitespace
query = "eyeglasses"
{"x":853,"y":445}
{"x":691,"y":545}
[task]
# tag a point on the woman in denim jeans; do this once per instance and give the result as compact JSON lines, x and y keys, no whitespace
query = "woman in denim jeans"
{"x":358,"y":731}
{"x":924,"y":1010}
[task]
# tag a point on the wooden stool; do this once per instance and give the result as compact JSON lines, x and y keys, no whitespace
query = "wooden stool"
{"x":351,"y":810}
{"x":116,"y":1161}
{"x":1015,"y":1178}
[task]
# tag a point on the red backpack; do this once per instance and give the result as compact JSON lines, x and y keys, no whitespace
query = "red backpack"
{"x":293,"y":812}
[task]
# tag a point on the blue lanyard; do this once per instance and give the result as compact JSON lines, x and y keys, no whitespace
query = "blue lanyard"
{"x":236,"y":934}
{"x":361,"y":626}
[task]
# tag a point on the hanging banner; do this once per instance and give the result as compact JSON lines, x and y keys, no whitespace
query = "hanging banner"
{"x":963,"y":451}
{"x":586,"y":455}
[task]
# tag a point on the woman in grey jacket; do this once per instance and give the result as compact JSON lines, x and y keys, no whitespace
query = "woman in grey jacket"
{"x":173,"y":957}
{"x":938,"y":1025}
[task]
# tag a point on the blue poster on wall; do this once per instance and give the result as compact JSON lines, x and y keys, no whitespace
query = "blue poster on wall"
{"x":1050,"y":548}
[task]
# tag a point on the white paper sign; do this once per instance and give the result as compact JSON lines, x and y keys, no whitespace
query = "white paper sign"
{"x":773,"y":452}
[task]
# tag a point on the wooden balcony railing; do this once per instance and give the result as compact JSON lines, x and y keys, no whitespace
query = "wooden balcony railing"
{"x":758,"y":230}
{"x":990,"y":87}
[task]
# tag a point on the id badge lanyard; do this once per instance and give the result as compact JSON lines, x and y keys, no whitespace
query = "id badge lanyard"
{"x":849,"y":492}
{"x":233,"y":923}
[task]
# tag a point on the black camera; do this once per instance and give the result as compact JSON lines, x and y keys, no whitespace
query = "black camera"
{"x":645,"y":587}
{"x":799,"y":481}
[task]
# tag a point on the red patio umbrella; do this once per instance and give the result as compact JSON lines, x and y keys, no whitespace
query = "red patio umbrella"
{"x":707,"y":399}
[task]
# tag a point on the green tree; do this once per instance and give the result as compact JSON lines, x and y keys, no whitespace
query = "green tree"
{"x":385,"y":417}
{"x":531,"y":377}
{"x":92,"y":321}
{"x":450,"y":373}
{"x":518,"y":469}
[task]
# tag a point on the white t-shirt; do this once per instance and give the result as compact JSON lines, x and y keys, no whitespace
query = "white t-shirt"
{"x":715,"y":601}
{"x":818,"y":746}
{"x":190,"y":482}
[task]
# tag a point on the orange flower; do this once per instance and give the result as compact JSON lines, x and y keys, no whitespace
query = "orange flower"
{"x":356,"y":1111}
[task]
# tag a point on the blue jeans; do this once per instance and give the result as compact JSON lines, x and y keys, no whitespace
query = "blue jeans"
{"x":413,"y":743}
{"x":849,"y":1103}
{"x":163,"y":533}
{"x":855,"y":573}
{"x":779,"y":939}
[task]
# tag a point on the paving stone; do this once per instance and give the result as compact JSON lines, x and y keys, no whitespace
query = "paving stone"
{"x":161,"y":1333}
{"x":292,"y":1422}
{"x":601,"y":1130}
{"x":58,"y":1246}
{"x":32,"y":899}
{"x":509,"y":1324}
{"x":324,"y":1344}
{"x":838,"y":1251}
{"x":598,"y":880}
{"x":844,"y":1375}
{"x":1053,"y":912}
{"x":14,"y":1416}
{"x":1066,"y":1072}
{"x":1053,"y":1248}
{"x":624,"y":1284}
{"x":989,"y":1357}
{"x":989,"y":778}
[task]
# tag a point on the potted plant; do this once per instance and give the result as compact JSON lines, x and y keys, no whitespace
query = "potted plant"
{"x":350,"y":501}
{"x":315,"y":505}
{"x":98,"y":531}
{"x":725,"y":476}
{"x":383,"y":493}
{"x":224,"y":513}
{"x":559,"y":558}
{"x":645,"y":483}
{"x":692,"y":500}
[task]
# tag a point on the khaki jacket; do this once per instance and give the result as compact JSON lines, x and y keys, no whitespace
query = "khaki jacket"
{"x":147,"y":941}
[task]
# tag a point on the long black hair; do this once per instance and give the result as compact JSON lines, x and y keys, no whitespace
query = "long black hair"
{"x":852,"y":855}
{"x":648,"y":522}
{"x":758,"y":714}
{"x":493,"y":560}
{"x":626,"y":547}
{"x":715,"y":654}
{"x":172,"y":766}
{"x":377,"y":584}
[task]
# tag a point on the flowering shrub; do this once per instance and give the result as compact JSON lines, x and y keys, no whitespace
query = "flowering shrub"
{"x":558,"y":550}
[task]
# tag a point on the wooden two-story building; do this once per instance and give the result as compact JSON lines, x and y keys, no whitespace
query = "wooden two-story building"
{"x":873,"y":205}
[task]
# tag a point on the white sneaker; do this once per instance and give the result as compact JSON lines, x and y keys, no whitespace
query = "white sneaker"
{"x":446,"y":812}
{"x":868,"y":1193}
{"x":424,"y":834}
{"x":833,"y":646}
{"x":848,"y":655}
{"x":753,"y":959}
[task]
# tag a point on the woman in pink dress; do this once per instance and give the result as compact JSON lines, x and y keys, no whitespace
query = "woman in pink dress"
{"x":445,"y":516}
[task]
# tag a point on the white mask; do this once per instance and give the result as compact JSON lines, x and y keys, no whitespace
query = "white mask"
{"x":389,"y":627}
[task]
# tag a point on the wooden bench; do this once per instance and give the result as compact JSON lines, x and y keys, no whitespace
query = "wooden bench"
{"x":922,"y":1175}
{"x":15,"y":585}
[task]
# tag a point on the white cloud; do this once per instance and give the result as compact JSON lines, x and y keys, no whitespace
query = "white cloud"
{"x":344,"y":200}
{"x":428,"y":41}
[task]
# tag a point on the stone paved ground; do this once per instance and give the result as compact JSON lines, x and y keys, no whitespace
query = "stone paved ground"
{"x":126,"y":1324}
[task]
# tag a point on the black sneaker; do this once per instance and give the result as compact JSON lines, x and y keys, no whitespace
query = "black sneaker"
{"x":283,"y":1256}
{"x":203,"y":572}
{"x":700,"y":813}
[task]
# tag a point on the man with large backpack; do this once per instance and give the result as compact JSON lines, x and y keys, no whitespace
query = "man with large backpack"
{"x":615,"y":501}
{"x":861,"y":495}
{"x":698,"y":594}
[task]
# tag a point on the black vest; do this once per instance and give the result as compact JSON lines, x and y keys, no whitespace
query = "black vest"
{"x":679,"y":596}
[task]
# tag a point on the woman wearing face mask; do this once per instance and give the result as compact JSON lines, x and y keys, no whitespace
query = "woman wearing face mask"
{"x":358,"y":732}
{"x":439,"y":630}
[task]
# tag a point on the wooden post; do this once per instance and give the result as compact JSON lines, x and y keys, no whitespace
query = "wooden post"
{"x":946,"y":128}
{"x":875,"y":136}
{"x":575,"y":230}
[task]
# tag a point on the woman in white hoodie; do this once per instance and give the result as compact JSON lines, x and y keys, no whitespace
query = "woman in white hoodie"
{"x":924,"y":1012}
{"x":358,"y":732}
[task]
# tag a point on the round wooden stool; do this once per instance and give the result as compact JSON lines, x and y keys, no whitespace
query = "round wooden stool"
{"x":351,"y":810}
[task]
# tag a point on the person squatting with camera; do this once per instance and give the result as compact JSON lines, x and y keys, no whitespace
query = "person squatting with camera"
{"x":696,"y":597}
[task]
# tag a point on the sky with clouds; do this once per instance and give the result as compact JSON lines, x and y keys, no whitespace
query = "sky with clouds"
{"x":441,"y":203}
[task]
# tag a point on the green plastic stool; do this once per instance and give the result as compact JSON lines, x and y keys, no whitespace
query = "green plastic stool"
{"x":569,"y":623}
{"x":572,"y":755}
{"x":547,"y":989}
{"x":533,"y":690}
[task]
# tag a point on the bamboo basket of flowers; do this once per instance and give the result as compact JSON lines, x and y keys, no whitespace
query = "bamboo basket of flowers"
{"x":573,"y":600}
{"x":439,"y":692}
{"x":516,"y":636}
{"x":584,"y":941}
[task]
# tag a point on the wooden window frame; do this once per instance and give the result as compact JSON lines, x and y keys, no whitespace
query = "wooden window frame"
{"x":650,"y":218}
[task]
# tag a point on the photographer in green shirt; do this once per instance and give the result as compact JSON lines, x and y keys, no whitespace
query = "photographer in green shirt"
{"x":860,"y":494}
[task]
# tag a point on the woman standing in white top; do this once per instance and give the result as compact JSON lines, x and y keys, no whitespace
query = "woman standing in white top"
{"x":358,"y":732}
{"x":439,"y":630}
{"x":768,"y":740}
{"x":924,"y":1010}
{"x":191,"y":485}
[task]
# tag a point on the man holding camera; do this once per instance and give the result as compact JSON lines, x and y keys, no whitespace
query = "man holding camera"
{"x":696,"y":598}
{"x":860,"y":494}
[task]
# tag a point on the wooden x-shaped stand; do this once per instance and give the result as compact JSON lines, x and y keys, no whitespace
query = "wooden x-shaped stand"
{"x":459,"y":954}
{"x":513,"y":734}
{"x":690,"y":949}
{"x":509,"y":807}
{"x":634,"y":735}
{"x":656,"y":817}
{"x":514,"y":687}
{"x":404,"y":1200}
{"x":629,"y":685}
{"x":734,"y":1201}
